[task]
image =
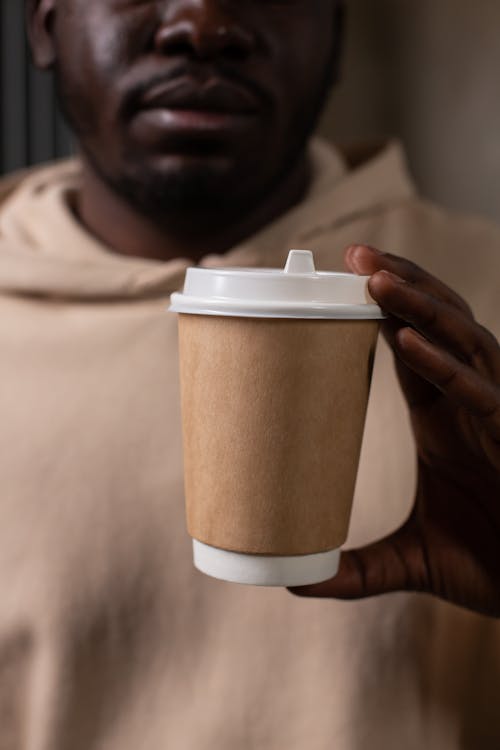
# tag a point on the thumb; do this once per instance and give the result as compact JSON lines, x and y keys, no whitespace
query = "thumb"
{"x":395,"y":563}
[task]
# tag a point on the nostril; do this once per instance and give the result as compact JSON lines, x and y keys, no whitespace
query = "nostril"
{"x":180,"y":48}
{"x":235,"y":52}
{"x":175,"y":40}
{"x":204,"y":38}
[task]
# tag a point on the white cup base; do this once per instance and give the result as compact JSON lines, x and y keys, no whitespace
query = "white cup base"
{"x":263,"y":570}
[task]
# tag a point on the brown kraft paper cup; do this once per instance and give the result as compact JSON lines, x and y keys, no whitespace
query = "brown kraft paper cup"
{"x":273,"y":417}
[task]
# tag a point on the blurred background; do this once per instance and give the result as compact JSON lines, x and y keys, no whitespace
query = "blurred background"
{"x":424,"y":71}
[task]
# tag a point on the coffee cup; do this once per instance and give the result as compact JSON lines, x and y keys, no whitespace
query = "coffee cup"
{"x":275,"y":369}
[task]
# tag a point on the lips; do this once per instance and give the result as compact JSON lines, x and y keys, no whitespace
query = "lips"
{"x":186,"y":114}
{"x":188,"y":95}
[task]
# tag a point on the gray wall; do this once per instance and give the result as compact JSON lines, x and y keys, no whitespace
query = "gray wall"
{"x":429,"y":72}
{"x":31,"y":131}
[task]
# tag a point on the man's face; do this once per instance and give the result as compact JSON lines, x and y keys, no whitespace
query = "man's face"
{"x":189,"y":102}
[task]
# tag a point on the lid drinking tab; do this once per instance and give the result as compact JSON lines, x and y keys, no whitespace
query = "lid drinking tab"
{"x":300,"y":261}
{"x":296,"y":291}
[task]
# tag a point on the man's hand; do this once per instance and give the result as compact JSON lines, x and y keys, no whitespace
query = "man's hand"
{"x":449,"y":369}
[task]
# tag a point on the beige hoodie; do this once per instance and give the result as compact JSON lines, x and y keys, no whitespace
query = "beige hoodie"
{"x":109,"y":639}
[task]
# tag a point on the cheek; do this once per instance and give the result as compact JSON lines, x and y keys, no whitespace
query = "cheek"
{"x":303,"y":86}
{"x":116,"y":41}
{"x":102,"y":51}
{"x":94,"y":52}
{"x":301,"y":50}
{"x":105,"y":52}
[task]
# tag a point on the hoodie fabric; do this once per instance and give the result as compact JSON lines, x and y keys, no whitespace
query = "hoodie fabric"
{"x":109,"y":638}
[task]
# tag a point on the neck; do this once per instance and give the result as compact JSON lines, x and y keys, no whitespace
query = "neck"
{"x":121,"y":227}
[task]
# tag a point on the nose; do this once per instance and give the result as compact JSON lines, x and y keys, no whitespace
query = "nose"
{"x":203,"y":29}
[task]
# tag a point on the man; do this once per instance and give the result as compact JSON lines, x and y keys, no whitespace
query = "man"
{"x":194,"y":120}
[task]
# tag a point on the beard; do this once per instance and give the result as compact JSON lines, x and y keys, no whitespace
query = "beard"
{"x":194,"y":186}
{"x":209,"y":181}
{"x":191,"y":189}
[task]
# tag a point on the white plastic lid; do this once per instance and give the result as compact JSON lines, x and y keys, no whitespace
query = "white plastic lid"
{"x":298,"y":291}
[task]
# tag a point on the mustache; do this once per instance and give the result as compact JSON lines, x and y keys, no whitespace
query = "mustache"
{"x":132,"y":98}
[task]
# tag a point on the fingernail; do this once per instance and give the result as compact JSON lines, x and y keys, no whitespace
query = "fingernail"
{"x":418,"y":335}
{"x":393,"y":277}
{"x":371,"y":249}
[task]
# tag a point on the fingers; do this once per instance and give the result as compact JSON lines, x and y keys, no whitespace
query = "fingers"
{"x":366,"y":260}
{"x":396,"y":563}
{"x":460,"y":357}
{"x":458,"y":381}
{"x":439,"y":321}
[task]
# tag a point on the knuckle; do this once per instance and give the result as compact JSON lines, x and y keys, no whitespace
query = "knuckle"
{"x":407,"y":268}
{"x":464,"y":306}
{"x":487,"y":349}
{"x":489,"y":338}
{"x":447,"y":379}
{"x":413,"y":273}
{"x":430,"y":316}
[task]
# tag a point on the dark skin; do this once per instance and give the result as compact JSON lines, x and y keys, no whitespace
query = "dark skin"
{"x":174,"y":180}
{"x":180,"y":179}
{"x":449,"y":369}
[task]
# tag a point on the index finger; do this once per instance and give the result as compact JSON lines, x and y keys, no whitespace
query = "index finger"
{"x":366,"y":260}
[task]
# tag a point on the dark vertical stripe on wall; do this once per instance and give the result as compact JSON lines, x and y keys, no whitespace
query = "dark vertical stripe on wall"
{"x":41,"y":126}
{"x":14,"y":84}
{"x":31,"y":128}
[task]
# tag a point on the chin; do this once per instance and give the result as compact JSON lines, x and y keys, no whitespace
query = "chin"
{"x":184,"y":183}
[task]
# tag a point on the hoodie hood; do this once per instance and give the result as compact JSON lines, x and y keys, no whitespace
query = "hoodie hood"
{"x":46,"y":252}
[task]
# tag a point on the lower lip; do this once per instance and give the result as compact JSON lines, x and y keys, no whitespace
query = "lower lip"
{"x":189,"y":122}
